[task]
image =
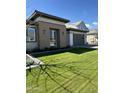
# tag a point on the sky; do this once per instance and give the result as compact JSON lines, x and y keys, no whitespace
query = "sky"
{"x":74,"y":10}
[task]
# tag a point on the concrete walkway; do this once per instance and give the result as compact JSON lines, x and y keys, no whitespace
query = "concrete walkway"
{"x":93,"y":47}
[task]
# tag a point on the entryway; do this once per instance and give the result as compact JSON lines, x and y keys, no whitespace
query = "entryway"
{"x":54,"y":38}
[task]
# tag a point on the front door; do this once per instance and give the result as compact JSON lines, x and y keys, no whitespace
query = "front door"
{"x":53,"y":38}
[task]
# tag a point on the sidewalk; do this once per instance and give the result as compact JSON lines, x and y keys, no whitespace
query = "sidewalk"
{"x":93,"y":47}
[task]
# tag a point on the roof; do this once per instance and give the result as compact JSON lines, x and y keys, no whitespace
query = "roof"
{"x":38,"y":13}
{"x":74,"y":29}
{"x":80,"y":26}
{"x":71,"y":25}
{"x":95,"y":31}
{"x":78,"y":23}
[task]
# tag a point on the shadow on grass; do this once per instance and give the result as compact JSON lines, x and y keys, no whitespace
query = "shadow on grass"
{"x":71,"y":50}
{"x":48,"y":71}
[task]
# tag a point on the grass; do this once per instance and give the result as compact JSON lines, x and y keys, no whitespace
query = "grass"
{"x":68,"y":71}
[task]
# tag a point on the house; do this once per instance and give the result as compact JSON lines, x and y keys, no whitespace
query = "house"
{"x":92,"y":37}
{"x":76,"y":33}
{"x":46,"y":31}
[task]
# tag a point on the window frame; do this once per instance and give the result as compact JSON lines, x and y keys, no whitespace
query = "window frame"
{"x":27,"y":34}
{"x":52,"y":37}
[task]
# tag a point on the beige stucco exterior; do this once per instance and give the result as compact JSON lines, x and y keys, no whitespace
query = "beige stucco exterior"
{"x":43,"y":34}
{"x":48,"y":20}
{"x":45,"y":24}
{"x":92,"y":40}
{"x":31,"y":45}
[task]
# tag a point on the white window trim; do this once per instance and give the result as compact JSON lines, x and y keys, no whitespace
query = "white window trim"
{"x":28,"y":38}
{"x":52,"y":41}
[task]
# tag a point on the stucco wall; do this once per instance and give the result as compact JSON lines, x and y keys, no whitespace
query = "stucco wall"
{"x":43,"y":34}
{"x":92,"y":40}
{"x":31,"y":45}
{"x":48,"y":20}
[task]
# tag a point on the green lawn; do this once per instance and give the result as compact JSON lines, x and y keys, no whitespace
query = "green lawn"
{"x":70,"y":71}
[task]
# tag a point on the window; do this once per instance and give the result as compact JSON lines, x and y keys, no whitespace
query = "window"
{"x":30,"y":34}
{"x":53,"y":37}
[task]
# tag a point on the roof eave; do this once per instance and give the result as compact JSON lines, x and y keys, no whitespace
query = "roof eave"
{"x":77,"y":30}
{"x":38,"y":13}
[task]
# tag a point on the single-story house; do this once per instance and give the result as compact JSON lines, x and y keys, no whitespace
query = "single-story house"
{"x":76,"y":33}
{"x":46,"y":31}
{"x":92,"y":37}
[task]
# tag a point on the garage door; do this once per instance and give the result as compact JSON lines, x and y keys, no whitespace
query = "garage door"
{"x":78,"y":40}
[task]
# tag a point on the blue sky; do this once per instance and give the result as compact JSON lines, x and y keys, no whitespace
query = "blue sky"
{"x":74,"y":10}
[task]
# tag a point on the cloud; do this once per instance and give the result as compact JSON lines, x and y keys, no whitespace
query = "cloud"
{"x":95,"y":23}
{"x":88,"y":25}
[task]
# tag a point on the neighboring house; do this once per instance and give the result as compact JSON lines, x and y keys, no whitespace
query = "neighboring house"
{"x":76,"y":33}
{"x":92,"y":37}
{"x":46,"y":31}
